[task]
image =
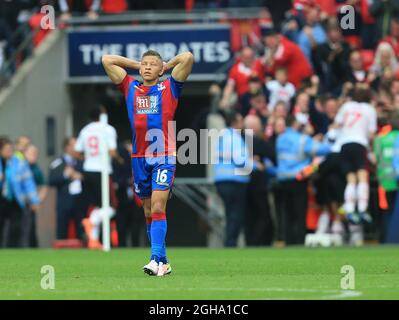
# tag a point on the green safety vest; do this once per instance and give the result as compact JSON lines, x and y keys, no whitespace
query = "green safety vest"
{"x":384,"y":151}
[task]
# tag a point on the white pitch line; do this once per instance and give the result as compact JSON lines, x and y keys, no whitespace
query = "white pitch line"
{"x":344,"y":294}
{"x":336,"y":294}
{"x":327,"y":294}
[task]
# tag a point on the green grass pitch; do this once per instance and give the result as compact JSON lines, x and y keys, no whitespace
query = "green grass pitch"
{"x":275,"y":273}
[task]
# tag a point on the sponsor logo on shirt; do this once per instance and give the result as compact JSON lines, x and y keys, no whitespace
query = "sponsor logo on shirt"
{"x":147,"y":105}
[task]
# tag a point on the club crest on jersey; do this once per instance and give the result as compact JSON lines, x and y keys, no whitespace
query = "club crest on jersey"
{"x":161,"y":86}
{"x":147,"y":105}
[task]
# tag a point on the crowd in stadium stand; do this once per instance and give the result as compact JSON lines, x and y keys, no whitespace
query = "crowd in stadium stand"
{"x":24,"y":187}
{"x":22,"y":190}
{"x":293,"y":76}
{"x":308,"y":67}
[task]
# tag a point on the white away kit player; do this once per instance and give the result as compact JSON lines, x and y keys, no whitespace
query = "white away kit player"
{"x":95,"y":138}
{"x":357,"y":121}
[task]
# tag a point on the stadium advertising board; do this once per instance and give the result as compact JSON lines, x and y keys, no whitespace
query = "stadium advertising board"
{"x":210,"y":45}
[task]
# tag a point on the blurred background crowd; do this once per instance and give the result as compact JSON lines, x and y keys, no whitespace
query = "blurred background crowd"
{"x":24,"y":186}
{"x":305,"y":68}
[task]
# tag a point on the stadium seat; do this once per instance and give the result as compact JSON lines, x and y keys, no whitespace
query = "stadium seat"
{"x":68,"y":244}
{"x":354,"y":41}
{"x":34,"y":23}
{"x":72,"y":234}
{"x":313,"y":213}
{"x":368,"y":58}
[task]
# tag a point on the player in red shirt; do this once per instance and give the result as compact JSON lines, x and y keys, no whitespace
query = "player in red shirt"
{"x":151,"y":106}
{"x":245,"y":68}
{"x":283,"y":53}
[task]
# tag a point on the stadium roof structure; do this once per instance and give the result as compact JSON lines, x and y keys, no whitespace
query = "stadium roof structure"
{"x":170,"y":16}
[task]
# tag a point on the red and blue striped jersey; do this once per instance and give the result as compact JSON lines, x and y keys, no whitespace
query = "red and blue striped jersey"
{"x":151,"y":110}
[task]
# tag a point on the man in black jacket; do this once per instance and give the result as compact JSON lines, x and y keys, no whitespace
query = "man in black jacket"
{"x":259,"y":229}
{"x":65,"y":175}
{"x":330,"y":60}
{"x":129,"y":218}
{"x":6,"y":151}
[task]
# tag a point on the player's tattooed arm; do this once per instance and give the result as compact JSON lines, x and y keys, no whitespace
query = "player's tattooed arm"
{"x":115,"y":66}
{"x":181,"y":65}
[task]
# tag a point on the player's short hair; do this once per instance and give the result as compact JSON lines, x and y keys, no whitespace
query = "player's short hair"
{"x":152,"y":53}
{"x":95,"y":114}
{"x":326,"y":97}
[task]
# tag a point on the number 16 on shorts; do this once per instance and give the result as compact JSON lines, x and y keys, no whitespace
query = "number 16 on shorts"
{"x":163,"y":179}
{"x":162,"y":176}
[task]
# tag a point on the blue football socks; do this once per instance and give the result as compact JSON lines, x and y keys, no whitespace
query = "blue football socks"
{"x":158,"y":235}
